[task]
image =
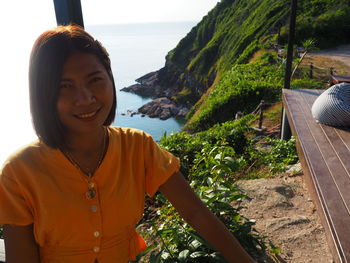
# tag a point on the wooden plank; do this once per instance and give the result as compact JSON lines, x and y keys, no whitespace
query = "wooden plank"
{"x":338,"y":172}
{"x":327,"y":142}
{"x":345,"y":135}
{"x":324,"y":184}
{"x":2,"y":251}
{"x":309,"y":174}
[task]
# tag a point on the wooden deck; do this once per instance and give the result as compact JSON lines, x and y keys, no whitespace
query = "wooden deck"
{"x":325,"y":156}
{"x":2,"y":251}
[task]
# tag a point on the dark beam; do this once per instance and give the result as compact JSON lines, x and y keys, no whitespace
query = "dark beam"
{"x":68,"y":12}
{"x":291,"y":41}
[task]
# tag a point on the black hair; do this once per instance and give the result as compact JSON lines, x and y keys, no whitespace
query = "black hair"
{"x":49,"y":53}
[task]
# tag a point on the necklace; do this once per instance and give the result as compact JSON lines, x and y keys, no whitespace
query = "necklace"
{"x":91,"y":192}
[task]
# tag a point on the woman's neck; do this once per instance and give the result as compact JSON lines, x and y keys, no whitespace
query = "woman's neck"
{"x":87,"y":151}
{"x":86,"y":143}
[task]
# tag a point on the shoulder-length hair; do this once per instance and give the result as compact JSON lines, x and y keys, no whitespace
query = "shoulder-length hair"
{"x":49,"y":53}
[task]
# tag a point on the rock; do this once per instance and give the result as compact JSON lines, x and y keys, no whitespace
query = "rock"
{"x":168,"y":82}
{"x":162,"y":108}
{"x":130,"y":113}
{"x":294,"y":170}
{"x":142,"y":90}
{"x":183,"y":112}
{"x":149,"y":79}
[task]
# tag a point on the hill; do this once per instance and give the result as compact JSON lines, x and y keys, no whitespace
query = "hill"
{"x":229,"y":35}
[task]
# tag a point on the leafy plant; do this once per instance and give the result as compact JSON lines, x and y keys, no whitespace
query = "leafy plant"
{"x":213,"y":165}
{"x":177,"y":241}
{"x":273,"y":154}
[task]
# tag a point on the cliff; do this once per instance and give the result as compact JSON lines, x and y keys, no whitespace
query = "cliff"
{"x":230,"y":34}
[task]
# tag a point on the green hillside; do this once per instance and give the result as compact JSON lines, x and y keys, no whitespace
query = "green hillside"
{"x":229,"y":35}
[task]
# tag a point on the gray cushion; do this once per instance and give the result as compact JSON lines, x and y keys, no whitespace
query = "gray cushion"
{"x":332,"y":107}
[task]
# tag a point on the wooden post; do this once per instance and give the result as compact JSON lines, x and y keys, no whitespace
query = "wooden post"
{"x":311,"y":70}
{"x":286,"y":132}
{"x":68,"y":12}
{"x":261,"y":116}
{"x":291,"y":40}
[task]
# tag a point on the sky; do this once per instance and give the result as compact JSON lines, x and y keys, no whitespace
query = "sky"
{"x":131,"y":11}
{"x":23,"y":20}
{"x":35,"y":12}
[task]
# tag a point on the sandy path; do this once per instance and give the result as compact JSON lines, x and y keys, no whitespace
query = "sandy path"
{"x":284,"y":212}
{"x":341,"y":54}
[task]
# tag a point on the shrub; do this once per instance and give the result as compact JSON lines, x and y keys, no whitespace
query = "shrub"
{"x":240,"y":89}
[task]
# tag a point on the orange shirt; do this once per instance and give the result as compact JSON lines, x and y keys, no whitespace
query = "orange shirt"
{"x":38,"y":185}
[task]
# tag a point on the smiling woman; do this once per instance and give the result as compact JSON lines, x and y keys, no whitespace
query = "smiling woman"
{"x":77,"y":193}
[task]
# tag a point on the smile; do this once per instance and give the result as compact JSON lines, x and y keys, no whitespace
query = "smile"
{"x":87,"y":115}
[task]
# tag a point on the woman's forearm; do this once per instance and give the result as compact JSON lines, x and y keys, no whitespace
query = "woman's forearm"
{"x":193,"y":210}
{"x":20,"y":245}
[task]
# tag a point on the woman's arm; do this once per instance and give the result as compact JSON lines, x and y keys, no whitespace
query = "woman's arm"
{"x":20,"y":245}
{"x":192,"y":209}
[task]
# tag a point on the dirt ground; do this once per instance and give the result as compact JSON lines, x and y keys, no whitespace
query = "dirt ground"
{"x":337,"y":58}
{"x":340,"y":54}
{"x":284,"y":212}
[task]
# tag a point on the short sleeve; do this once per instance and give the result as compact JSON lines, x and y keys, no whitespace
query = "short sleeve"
{"x":14,"y":209}
{"x":160,"y":165}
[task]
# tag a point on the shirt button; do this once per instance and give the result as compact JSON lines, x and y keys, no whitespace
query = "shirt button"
{"x":91,"y":185}
{"x":96,"y":233}
{"x":93,"y":208}
{"x":96,"y":249}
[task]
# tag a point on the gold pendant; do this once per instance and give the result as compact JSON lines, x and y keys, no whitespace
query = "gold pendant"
{"x":90,"y":193}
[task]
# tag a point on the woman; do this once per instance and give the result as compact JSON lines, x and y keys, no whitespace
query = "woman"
{"x":76,"y":194}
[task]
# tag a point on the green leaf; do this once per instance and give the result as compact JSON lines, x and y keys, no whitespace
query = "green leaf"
{"x":198,"y":254}
{"x":195,"y":244}
{"x":183,"y":255}
{"x":200,"y":239}
{"x":209,"y":181}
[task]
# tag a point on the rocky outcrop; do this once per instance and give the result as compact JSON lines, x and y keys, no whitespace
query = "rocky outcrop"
{"x":163,"y":108}
{"x":147,"y":86}
{"x":164,"y":85}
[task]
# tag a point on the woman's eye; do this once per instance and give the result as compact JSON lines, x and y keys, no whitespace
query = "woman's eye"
{"x":96,"y":79}
{"x":65,"y":85}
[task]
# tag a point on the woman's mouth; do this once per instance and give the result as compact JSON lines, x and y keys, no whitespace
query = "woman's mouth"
{"x":87,"y":115}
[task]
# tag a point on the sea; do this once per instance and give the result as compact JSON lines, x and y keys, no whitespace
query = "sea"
{"x":135,"y":50}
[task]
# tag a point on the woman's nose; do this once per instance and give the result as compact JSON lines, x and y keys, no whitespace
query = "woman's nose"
{"x":84,"y":97}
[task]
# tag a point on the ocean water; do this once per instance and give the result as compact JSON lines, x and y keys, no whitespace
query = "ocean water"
{"x":135,"y":50}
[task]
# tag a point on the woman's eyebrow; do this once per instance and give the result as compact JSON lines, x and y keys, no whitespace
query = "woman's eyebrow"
{"x":93,"y":73}
{"x":87,"y":76}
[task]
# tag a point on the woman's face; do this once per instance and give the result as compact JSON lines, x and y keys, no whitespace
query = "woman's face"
{"x":86,"y":94}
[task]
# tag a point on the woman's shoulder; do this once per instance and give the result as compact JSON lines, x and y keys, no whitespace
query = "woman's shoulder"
{"x":129,"y":133}
{"x":26,"y":153}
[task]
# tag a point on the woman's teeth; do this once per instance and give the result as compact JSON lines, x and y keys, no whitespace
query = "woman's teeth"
{"x":87,"y":115}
